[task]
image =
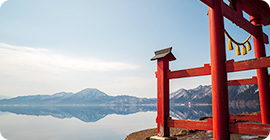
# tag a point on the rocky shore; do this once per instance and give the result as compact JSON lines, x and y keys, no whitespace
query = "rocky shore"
{"x":186,"y":134}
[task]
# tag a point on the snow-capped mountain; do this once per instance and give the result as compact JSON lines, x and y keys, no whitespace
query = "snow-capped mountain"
{"x":180,"y":95}
{"x":91,"y":92}
{"x":203,"y":94}
{"x":183,"y":96}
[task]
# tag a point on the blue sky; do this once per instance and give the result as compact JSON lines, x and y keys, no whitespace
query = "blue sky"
{"x":68,"y":45}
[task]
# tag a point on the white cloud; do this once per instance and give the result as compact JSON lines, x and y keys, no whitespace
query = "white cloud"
{"x":19,"y":60}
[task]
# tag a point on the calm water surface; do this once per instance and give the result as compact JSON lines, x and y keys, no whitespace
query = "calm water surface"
{"x":88,"y":123}
{"x":25,"y":127}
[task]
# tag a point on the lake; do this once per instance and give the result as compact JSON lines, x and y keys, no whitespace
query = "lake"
{"x":89,"y":122}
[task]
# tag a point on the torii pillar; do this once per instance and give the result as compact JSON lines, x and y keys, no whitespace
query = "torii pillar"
{"x":220,"y":106}
{"x":262,"y":74}
{"x":163,"y":102}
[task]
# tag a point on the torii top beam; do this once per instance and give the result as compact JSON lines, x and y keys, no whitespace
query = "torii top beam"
{"x":252,"y":7}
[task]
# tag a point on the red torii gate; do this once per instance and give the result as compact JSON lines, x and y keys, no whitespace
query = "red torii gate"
{"x":222,"y":123}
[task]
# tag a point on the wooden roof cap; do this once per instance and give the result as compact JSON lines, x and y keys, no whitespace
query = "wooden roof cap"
{"x":164,"y":53}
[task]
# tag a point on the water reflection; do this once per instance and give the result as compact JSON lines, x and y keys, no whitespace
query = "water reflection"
{"x":95,"y":113}
{"x":113,"y":126}
{"x":195,"y":112}
{"x":83,"y":113}
{"x":191,"y":112}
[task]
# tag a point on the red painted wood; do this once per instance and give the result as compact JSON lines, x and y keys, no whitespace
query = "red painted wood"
{"x":252,"y":80}
{"x":162,"y":97}
{"x":250,"y":128}
{"x":246,"y":117}
{"x":208,"y":2}
{"x":239,"y":20}
{"x":220,"y":107}
{"x":190,"y":124}
{"x":262,"y":62}
{"x":262,"y":73}
{"x":252,"y":7}
{"x":200,"y":71}
{"x":231,"y":66}
{"x":234,"y":127}
{"x":265,"y":38}
{"x":238,"y":6}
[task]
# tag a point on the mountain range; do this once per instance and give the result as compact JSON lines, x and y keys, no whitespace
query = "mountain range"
{"x":89,"y":96}
{"x":91,"y":105}
{"x":247,"y":95}
{"x":243,"y":95}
